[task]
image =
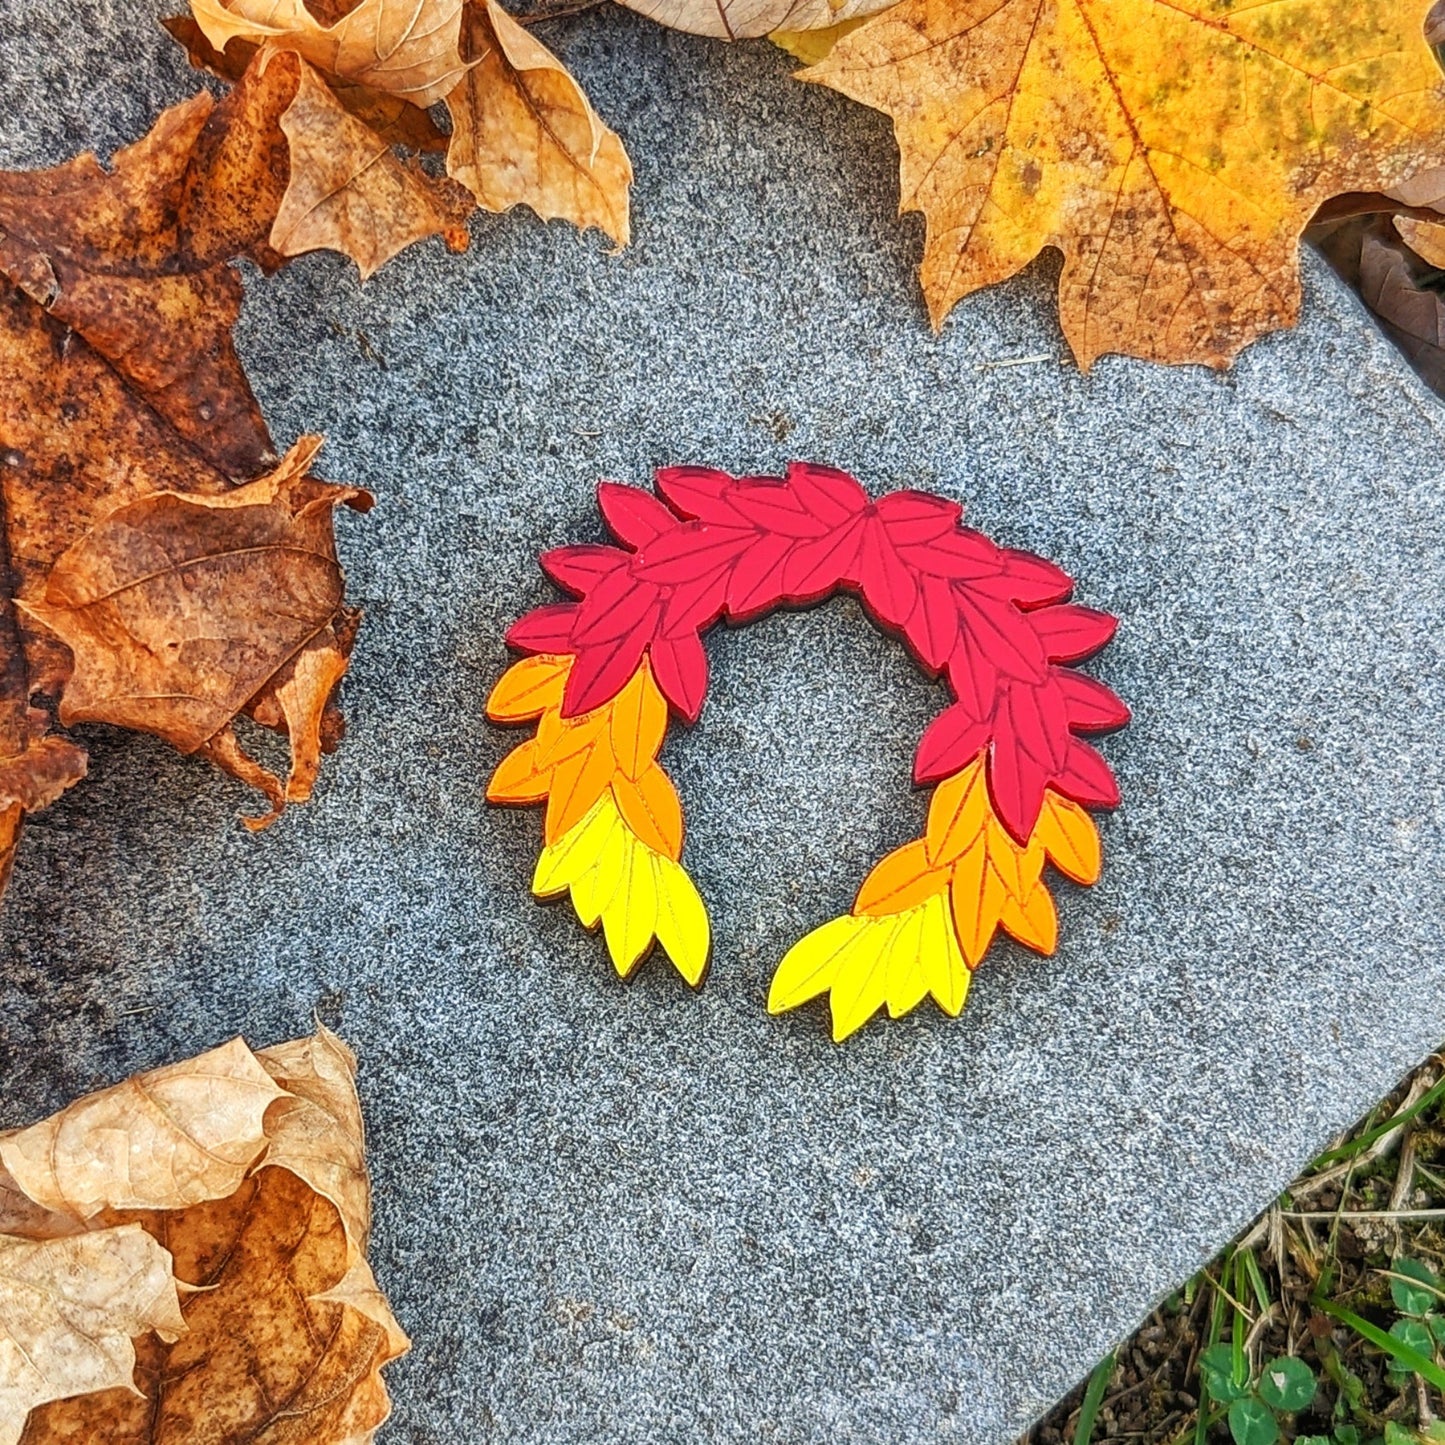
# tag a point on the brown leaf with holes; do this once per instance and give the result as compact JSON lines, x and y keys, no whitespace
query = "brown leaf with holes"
{"x":1173,"y":150}
{"x":525,"y":134}
{"x":183,"y":1257}
{"x":129,"y":434}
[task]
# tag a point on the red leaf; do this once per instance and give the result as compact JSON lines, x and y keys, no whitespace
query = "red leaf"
{"x":961,"y":555}
{"x":1072,"y":633}
{"x":830,"y":495}
{"x":632,"y":515}
{"x":756,"y":583}
{"x":1002,"y":632}
{"x":611,"y":608}
{"x":973,"y":677}
{"x":1016,"y":784}
{"x":690,"y":551}
{"x":694,"y":606}
{"x":771,"y":506}
{"x":1093,"y":708}
{"x":544,"y":629}
{"x":889,"y":588}
{"x":932,"y":630}
{"x":679,"y":666}
{"x":914,"y":519}
{"x":1086,"y":778}
{"x":697,"y":492}
{"x":578,"y":569}
{"x":1033,"y":581}
{"x":815,"y":568}
{"x":605,"y":668}
{"x":950,"y":742}
{"x":1038,"y":722}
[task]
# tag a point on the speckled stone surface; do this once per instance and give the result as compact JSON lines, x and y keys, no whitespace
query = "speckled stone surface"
{"x":632,"y":1214}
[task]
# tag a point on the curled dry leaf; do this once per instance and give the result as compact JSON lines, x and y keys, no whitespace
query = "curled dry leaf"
{"x":406,"y":48}
{"x":746,"y":19}
{"x":1425,"y":238}
{"x":1173,"y":152}
{"x":130,"y":437}
{"x":523,"y":132}
{"x":199,"y":1236}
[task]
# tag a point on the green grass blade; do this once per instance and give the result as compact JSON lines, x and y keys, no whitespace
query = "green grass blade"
{"x":1256,"y":1279}
{"x":1093,"y":1398}
{"x":1408,"y":1359}
{"x":1431,"y":1096}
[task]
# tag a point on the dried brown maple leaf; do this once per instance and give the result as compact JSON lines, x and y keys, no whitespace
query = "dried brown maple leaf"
{"x":126,"y":429}
{"x":198,"y":1236}
{"x":1173,"y":150}
{"x":524,"y":133}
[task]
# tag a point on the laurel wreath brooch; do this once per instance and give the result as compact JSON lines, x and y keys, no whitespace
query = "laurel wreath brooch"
{"x":1013,"y":778}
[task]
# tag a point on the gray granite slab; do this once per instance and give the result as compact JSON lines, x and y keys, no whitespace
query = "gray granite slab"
{"x":628,"y":1213}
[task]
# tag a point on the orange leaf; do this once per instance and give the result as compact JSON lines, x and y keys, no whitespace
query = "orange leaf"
{"x":577,"y":783}
{"x":901,"y":880}
{"x":1070,"y":838}
{"x":978,"y":897}
{"x":650,"y":807}
{"x":639,"y":723}
{"x":528,"y":689}
{"x":956,"y":813}
{"x":1033,"y":920}
{"x":518,"y":778}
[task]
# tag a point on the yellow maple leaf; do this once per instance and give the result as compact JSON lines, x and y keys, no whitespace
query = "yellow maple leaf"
{"x":1173,"y":150}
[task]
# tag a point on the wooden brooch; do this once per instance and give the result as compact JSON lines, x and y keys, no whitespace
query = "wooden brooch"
{"x":1014,"y":780}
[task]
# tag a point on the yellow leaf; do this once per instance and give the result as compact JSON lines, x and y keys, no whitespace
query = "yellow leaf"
{"x":907,"y":956}
{"x":682,"y":923}
{"x":562,"y":863}
{"x":860,"y":982}
{"x":811,"y":46}
{"x":594,"y":890}
{"x":810,"y":965}
{"x":348,"y":192}
{"x":523,"y":133}
{"x":1070,"y":838}
{"x":1174,"y":152}
{"x":630,"y":915}
{"x":528,"y":688}
{"x":407,"y":48}
{"x":944,"y":968}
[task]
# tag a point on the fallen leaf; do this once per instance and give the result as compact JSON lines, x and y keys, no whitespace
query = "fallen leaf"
{"x":747,"y":19}
{"x":1425,"y":238}
{"x":1399,"y":285}
{"x":406,"y":48}
{"x":68,"y":1310}
{"x":212,"y":1216}
{"x":348,"y":192}
{"x":124,"y":411}
{"x":1174,"y":152}
{"x":523,"y":132}
{"x":396,"y":121}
